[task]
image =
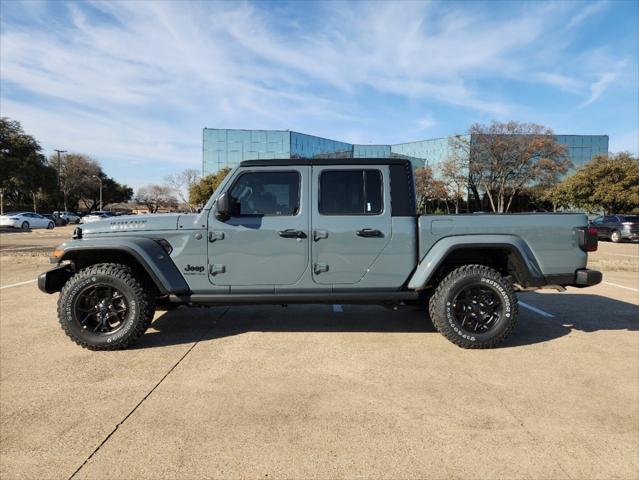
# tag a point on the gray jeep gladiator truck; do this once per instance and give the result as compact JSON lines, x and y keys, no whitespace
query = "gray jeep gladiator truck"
{"x":315,"y":231}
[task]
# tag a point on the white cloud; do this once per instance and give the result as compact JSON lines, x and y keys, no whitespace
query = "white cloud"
{"x":586,"y":10}
{"x":426,"y":122}
{"x":599,"y":87}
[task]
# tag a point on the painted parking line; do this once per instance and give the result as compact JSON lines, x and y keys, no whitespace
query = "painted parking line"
{"x":22,"y":248}
{"x":622,"y":286}
{"x":18,"y":284}
{"x":337,"y":308}
{"x":536,"y":310}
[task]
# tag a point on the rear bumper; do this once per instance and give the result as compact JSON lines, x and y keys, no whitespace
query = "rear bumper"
{"x":53,"y":280}
{"x":583,"y":277}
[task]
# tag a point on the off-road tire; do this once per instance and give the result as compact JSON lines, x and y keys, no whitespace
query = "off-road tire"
{"x":441,"y":309}
{"x":615,"y":236}
{"x":141,"y":306}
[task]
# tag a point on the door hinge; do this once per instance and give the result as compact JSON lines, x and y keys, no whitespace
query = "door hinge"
{"x":216,"y":269}
{"x":213,"y":236}
{"x":319,"y":234}
{"x":319,"y":268}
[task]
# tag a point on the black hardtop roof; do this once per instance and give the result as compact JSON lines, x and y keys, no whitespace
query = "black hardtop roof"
{"x":324,"y":161}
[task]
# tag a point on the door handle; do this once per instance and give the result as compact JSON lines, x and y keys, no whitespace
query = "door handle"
{"x":291,"y":233}
{"x":214,"y":236}
{"x":320,"y":268}
{"x":319,"y":234}
{"x":368,"y":233}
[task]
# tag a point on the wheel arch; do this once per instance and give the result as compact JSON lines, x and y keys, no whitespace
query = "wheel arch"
{"x":145,"y":256}
{"x":507,"y":254}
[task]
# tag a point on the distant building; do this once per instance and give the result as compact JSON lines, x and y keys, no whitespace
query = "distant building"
{"x":226,"y":148}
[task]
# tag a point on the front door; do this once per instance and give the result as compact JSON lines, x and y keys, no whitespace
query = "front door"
{"x":265,"y":242}
{"x":351,"y":221}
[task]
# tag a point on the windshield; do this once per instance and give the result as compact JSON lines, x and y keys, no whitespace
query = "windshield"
{"x":629,"y":218}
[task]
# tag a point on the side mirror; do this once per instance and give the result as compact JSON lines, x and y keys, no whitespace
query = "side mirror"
{"x":223,"y":207}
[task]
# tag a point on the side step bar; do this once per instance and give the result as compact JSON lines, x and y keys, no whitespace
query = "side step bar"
{"x":286,"y":298}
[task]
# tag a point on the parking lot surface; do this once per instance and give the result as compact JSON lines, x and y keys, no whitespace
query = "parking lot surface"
{"x":322,"y":391}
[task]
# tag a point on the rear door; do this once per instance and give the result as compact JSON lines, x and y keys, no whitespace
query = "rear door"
{"x":265,"y":242}
{"x":351,"y":221}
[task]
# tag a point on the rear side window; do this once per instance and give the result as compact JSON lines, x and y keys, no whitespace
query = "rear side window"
{"x":266,"y":194}
{"x":351,"y":192}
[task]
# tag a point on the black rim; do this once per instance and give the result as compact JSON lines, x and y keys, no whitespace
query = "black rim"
{"x":101,"y":309}
{"x":477,"y":308}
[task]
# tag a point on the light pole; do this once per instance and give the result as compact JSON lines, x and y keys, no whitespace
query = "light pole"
{"x":100,"y":180}
{"x":59,"y":170}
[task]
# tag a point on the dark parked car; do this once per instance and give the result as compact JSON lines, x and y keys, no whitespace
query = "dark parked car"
{"x":59,"y":221}
{"x":617,"y":227}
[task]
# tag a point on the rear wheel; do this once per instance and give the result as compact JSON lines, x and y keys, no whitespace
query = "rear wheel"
{"x":615,"y":236}
{"x":105,"y":307}
{"x":474,"y":307}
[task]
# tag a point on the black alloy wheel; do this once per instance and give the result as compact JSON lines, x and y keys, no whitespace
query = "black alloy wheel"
{"x":101,"y":309}
{"x":477,"y":308}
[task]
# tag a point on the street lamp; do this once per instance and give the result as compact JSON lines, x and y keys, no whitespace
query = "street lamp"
{"x":100,"y":180}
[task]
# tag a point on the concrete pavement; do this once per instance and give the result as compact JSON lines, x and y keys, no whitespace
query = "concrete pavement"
{"x":322,"y":392}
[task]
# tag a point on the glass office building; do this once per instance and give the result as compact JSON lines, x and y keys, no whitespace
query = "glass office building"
{"x":226,"y":148}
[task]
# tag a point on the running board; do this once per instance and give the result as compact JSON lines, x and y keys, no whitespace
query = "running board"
{"x":286,"y":298}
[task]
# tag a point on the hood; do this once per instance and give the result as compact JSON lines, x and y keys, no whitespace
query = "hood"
{"x":138,"y":223}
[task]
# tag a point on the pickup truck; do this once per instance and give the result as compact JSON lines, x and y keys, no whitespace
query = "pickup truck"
{"x":340,"y":231}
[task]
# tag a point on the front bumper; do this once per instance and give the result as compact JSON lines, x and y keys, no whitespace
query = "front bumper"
{"x":53,"y":280}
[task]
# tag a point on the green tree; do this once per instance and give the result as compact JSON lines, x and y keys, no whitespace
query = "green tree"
{"x":201,"y":191}
{"x":606,"y":182}
{"x":24,"y":175}
{"x":112,"y":192}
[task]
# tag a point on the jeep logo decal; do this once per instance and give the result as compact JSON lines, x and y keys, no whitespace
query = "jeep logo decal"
{"x":194,"y":268}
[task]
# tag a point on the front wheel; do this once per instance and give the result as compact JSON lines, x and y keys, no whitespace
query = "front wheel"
{"x":105,"y":307}
{"x":50,"y":226}
{"x":615,"y":237}
{"x":474,"y":307}
{"x":25,"y":226}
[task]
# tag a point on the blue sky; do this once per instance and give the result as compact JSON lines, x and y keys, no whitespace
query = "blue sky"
{"x":133,"y":84}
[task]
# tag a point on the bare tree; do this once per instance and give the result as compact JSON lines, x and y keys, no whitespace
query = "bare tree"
{"x":507,"y":158}
{"x":181,"y":184}
{"x":454,"y":174}
{"x":429,"y":189}
{"x":155,"y":197}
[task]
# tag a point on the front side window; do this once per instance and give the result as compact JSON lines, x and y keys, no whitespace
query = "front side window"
{"x":266,"y":194}
{"x":351,"y":192}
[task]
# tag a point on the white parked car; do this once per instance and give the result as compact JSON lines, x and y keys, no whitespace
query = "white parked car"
{"x":70,"y":217}
{"x":25,"y":221}
{"x":96,"y":216}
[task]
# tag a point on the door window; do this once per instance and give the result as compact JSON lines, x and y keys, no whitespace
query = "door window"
{"x":350,"y":192}
{"x":266,"y":194}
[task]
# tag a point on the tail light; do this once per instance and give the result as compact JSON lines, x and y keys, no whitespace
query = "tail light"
{"x":587,"y":239}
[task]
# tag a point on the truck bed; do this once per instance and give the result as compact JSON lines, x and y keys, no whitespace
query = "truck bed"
{"x":551,"y":236}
